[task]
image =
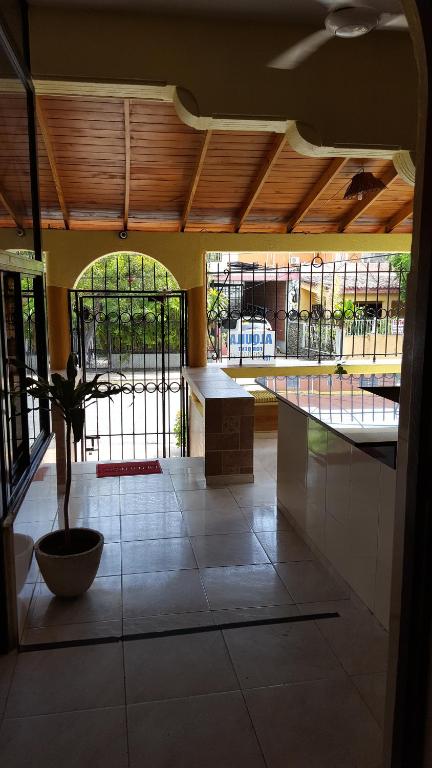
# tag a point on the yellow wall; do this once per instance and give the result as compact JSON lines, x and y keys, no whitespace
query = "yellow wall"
{"x":307,"y":299}
{"x":373,"y":345}
{"x":69,"y":253}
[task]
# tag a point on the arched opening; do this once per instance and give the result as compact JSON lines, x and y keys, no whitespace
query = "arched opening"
{"x":126,"y":271}
{"x":128,"y":319}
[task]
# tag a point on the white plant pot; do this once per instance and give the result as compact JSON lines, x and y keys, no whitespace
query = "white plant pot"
{"x":69,"y":574}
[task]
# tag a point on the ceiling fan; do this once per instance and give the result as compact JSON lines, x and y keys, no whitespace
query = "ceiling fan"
{"x":343,"y":20}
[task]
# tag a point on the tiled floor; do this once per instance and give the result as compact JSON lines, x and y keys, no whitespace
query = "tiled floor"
{"x":304,"y":695}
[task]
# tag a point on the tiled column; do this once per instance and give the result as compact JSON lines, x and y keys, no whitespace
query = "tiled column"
{"x":229,"y":434}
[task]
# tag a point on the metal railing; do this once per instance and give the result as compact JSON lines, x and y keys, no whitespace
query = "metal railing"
{"x":318,"y":310}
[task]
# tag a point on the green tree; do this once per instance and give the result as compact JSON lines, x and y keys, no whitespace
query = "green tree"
{"x":129,"y":322}
{"x":401,"y":262}
{"x":217,"y":306}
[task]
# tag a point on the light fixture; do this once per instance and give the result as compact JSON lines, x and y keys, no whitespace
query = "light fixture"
{"x":363,"y":185}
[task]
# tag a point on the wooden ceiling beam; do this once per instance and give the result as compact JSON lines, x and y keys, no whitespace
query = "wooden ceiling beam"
{"x":8,"y":206}
{"x":43,"y":125}
{"x":400,"y":216}
{"x":126,"y":110}
{"x":261,"y":178}
{"x":316,"y":191}
{"x":195,"y":179}
{"x":362,"y":205}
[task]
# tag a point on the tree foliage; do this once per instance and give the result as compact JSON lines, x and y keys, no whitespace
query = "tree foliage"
{"x":127,"y":321}
{"x":402,"y":263}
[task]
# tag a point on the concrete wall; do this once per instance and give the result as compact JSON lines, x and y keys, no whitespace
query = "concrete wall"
{"x":69,"y":253}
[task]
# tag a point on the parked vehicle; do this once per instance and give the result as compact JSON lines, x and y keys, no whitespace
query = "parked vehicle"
{"x":249,"y":337}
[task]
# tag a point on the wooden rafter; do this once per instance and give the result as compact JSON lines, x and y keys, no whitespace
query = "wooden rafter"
{"x":43,"y":125}
{"x":317,"y":190}
{"x":16,"y":218}
{"x":400,"y":216}
{"x":195,"y":179}
{"x":362,"y":205}
{"x":261,"y":178}
{"x":126,"y":107}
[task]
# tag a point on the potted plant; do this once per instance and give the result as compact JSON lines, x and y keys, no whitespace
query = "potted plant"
{"x":69,"y":558}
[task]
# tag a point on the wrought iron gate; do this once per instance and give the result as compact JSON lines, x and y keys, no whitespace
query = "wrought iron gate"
{"x":313,"y":310}
{"x":139,"y":339}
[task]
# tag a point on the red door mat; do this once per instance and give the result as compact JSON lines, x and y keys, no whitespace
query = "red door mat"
{"x":129,"y":468}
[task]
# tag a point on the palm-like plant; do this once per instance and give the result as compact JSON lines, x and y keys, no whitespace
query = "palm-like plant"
{"x":71,"y":399}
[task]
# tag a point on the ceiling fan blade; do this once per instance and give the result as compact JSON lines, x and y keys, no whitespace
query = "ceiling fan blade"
{"x":393,"y":21}
{"x":331,"y":5}
{"x":300,"y":51}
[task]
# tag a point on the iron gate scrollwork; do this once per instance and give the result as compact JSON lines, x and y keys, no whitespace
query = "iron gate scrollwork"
{"x":138,"y":338}
{"x":317,"y":310}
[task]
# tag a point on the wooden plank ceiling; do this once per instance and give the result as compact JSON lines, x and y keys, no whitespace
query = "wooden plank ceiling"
{"x":115,"y":163}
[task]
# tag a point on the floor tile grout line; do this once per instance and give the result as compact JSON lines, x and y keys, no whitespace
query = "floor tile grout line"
{"x":364,"y":698}
{"x":179,"y":631}
{"x":9,"y":687}
{"x":242,"y":694}
{"x":128,"y":755}
{"x":62,"y":712}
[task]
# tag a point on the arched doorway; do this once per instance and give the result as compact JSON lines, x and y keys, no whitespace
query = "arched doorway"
{"x":128,"y":320}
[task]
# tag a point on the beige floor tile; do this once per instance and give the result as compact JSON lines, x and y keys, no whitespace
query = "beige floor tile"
{"x":145,"y":483}
{"x":102,"y":602}
{"x":157,"y":555}
{"x":7,"y":665}
{"x":188,"y":483}
{"x":145,"y":503}
{"x":309,"y":581}
{"x":357,"y":639}
{"x":89,"y":486}
{"x":228,"y":549}
{"x":253,"y":495}
{"x":64,"y":632}
{"x":66,"y":679}
{"x":108,"y":526}
{"x":284,"y":546}
{"x":183,"y":464}
{"x":244,"y":586}
{"x":281,"y":653}
{"x":173,"y":667}
{"x":94,"y":506}
{"x":110,"y":564}
{"x":90,"y":739}
{"x":167,"y":622}
{"x":372,"y":689}
{"x":211,"y":499}
{"x":319,"y":724}
{"x":37,"y":511}
{"x":243,"y":615}
{"x":159,"y":525}
{"x":148,"y":594}
{"x":212,"y":731}
{"x":209,"y":522}
{"x":265,"y":518}
{"x":42,"y":490}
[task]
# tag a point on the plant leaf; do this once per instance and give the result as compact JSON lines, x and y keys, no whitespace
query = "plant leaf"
{"x":77,"y":417}
{"x":72,"y":367}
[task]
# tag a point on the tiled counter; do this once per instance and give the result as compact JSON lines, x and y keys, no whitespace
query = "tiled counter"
{"x":336,"y":478}
{"x":221,"y":425}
